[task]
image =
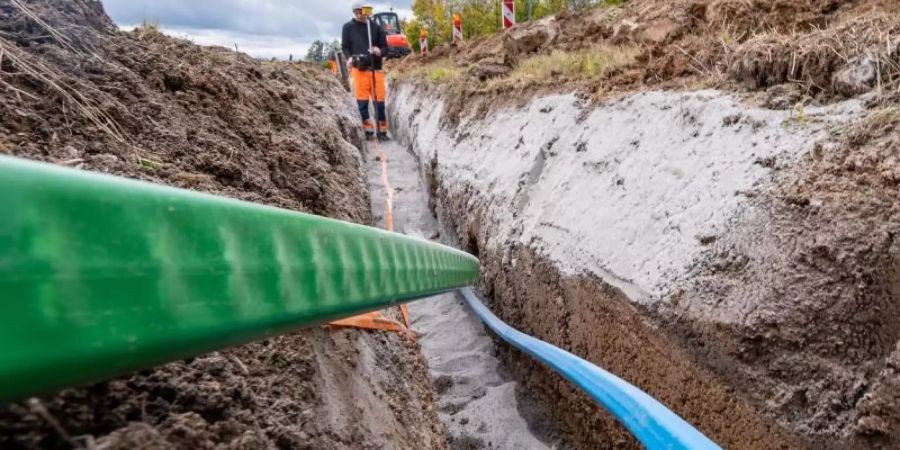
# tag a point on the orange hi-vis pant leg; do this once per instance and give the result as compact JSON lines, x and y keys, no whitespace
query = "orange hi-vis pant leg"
{"x":364,"y":89}
{"x":362,"y":85}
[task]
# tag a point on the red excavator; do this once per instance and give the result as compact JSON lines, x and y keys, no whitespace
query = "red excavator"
{"x":398,"y":45}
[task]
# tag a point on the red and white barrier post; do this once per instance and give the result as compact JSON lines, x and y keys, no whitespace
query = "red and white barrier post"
{"x":457,"y":28}
{"x":509,"y":13}
{"x":423,"y":41}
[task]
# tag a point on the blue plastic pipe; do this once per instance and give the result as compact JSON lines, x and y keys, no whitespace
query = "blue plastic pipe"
{"x":654,"y":425}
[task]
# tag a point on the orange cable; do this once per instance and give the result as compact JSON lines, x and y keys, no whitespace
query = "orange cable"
{"x":389,"y":212}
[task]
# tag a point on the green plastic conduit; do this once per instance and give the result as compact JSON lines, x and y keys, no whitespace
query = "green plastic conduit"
{"x":101,"y":275}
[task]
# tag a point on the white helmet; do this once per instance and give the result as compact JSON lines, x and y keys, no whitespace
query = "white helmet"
{"x":361,"y":5}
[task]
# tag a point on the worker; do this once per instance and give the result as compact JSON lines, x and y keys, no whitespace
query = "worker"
{"x":332,"y":63}
{"x":366,"y":67}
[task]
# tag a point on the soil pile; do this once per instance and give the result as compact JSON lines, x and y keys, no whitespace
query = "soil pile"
{"x":827,"y":49}
{"x":76,"y":91}
{"x":813,"y":273}
{"x":786,"y":316}
{"x":164,"y":110}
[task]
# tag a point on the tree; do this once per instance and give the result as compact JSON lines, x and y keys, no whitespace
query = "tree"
{"x":480,"y":17}
{"x":318,"y":52}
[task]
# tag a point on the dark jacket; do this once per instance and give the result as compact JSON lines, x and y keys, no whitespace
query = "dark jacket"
{"x":355,"y":44}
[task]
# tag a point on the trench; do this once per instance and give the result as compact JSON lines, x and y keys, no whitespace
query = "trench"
{"x":645,"y":235}
{"x":479,"y":402}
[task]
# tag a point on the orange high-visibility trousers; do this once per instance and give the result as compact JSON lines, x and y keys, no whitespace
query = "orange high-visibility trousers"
{"x":362,"y":84}
{"x":363,"y":90}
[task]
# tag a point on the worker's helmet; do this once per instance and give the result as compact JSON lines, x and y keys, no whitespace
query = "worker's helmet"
{"x":366,"y":8}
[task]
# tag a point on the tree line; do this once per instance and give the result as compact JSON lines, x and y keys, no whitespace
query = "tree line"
{"x":319,"y":50}
{"x":480,"y":17}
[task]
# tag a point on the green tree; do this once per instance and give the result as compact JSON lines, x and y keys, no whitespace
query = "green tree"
{"x":480,"y":17}
{"x":318,"y":52}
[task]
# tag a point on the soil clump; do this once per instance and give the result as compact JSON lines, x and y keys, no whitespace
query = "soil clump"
{"x":827,"y":50}
{"x":76,"y":91}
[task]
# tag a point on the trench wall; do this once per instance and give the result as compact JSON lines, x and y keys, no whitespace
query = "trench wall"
{"x":589,"y":219}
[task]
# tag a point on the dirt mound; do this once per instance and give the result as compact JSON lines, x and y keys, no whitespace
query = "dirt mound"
{"x":830,"y":289}
{"x":75,"y":91}
{"x":778,"y":328}
{"x":164,"y":110}
{"x":301,"y":391}
{"x":847,"y":59}
{"x":830,"y":49}
{"x":791,"y":310}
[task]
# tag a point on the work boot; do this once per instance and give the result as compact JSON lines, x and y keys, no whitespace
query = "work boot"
{"x":370,"y":137}
{"x":383,"y":137}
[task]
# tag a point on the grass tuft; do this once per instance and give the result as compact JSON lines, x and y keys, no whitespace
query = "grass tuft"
{"x":439,"y":71}
{"x":585,"y":64}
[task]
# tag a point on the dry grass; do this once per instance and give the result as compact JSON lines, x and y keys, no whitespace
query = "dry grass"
{"x":581,"y":65}
{"x":59,"y":37}
{"x":34,"y":68}
{"x":71,"y":92}
{"x":439,"y":71}
{"x":148,"y":31}
{"x":810,"y":59}
{"x":876,"y":123}
{"x":558,"y":66}
{"x":64,"y":40}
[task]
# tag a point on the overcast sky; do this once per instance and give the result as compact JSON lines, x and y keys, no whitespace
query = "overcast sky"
{"x":262,"y":28}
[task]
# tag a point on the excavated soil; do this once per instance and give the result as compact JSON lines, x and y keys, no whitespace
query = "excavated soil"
{"x":309,"y":390}
{"x":821,"y":248}
{"x":150,"y":107}
{"x":824,"y":50}
{"x":783,"y":331}
{"x":75,"y":91}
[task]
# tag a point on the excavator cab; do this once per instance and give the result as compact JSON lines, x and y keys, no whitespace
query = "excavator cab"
{"x":398,"y":45}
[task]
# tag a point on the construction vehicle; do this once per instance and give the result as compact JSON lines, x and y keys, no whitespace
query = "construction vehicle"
{"x":398,"y":45}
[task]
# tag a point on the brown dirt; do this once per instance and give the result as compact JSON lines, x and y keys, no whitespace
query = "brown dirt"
{"x":816,"y":364}
{"x":813,"y":365}
{"x":159,"y":109}
{"x":596,"y":321}
{"x":824,"y":254}
{"x":527,"y":293}
{"x":310,"y":390}
{"x":829,"y":49}
{"x":205,"y":119}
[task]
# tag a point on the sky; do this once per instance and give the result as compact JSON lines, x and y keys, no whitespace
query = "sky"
{"x":262,"y":28}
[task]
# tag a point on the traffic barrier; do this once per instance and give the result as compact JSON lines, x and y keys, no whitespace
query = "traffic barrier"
{"x":508,"y":13}
{"x":654,"y":425}
{"x":457,"y":28}
{"x":423,"y":41}
{"x":103,"y":275}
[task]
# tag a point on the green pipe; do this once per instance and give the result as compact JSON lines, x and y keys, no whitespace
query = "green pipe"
{"x":101,"y":275}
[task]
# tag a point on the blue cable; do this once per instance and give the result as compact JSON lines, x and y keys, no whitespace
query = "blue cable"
{"x":649,"y":421}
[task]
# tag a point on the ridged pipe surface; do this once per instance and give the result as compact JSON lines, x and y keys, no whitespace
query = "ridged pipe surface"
{"x":101,"y":275}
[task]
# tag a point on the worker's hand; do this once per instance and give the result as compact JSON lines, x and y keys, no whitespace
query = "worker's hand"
{"x":375,"y":51}
{"x":349,"y":65}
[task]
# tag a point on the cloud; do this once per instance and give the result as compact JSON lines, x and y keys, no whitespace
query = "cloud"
{"x":262,"y":28}
{"x":255,"y":45}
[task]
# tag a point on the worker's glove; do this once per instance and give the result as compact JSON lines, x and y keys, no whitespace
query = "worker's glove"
{"x":375,"y":51}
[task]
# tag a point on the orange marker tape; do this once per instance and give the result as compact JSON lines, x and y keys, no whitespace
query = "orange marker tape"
{"x":374,"y":320}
